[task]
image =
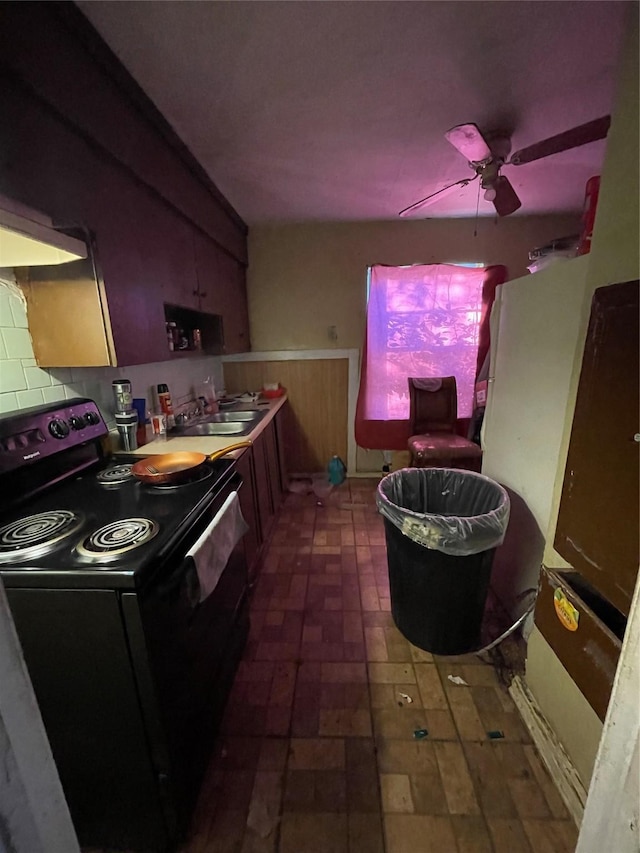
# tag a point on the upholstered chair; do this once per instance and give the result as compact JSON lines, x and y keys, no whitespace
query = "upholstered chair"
{"x":433,"y":414}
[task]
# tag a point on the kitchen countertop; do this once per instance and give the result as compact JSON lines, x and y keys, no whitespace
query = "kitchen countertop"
{"x":210,"y":443}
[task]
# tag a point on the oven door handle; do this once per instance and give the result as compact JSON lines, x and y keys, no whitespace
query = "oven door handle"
{"x":187,"y":564}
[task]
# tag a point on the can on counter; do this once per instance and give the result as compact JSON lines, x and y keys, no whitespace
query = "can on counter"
{"x":159,"y":425}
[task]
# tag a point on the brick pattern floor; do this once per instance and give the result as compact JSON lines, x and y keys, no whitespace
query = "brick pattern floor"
{"x":317,"y":751}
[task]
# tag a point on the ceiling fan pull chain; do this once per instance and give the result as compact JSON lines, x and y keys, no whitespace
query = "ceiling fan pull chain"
{"x":475,"y":224}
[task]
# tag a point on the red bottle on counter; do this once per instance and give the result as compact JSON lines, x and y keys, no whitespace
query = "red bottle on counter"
{"x":166,"y":406}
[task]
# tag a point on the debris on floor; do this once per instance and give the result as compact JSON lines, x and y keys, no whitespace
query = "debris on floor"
{"x":316,"y":484}
{"x":456,"y":679}
{"x":406,"y":698}
{"x":420,"y":734}
{"x":260,"y":819}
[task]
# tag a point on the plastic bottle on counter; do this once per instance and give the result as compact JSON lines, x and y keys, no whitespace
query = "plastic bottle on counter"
{"x":165,"y":404}
{"x":207,"y":396}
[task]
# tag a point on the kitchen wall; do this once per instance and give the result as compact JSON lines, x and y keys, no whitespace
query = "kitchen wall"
{"x":305,"y":278}
{"x":23,"y":383}
{"x":614,"y":257}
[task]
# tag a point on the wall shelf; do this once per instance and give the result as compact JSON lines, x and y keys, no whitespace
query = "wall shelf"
{"x":187,"y":321}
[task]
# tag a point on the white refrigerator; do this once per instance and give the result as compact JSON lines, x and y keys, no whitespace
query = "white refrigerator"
{"x":534,"y":333}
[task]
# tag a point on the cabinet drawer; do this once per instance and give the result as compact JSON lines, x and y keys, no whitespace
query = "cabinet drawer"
{"x":590,"y":652}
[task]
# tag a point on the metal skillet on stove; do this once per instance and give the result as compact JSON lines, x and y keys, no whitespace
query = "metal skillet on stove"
{"x":179,"y":466}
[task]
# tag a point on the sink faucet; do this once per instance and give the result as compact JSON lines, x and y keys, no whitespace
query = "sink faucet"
{"x":188,"y":415}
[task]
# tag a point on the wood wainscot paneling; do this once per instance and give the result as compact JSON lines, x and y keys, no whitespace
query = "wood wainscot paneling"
{"x":316,"y":427}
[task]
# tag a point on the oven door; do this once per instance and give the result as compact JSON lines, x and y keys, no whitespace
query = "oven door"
{"x":191,"y":651}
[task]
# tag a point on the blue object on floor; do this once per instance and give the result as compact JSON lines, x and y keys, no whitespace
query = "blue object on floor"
{"x":337,"y":471}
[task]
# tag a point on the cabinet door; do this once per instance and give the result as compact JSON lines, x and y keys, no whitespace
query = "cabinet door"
{"x":263,"y":490}
{"x":281,"y":421}
{"x":171,"y":237}
{"x":235,"y":316}
{"x":43,"y":163}
{"x":221,"y":285}
{"x":132,"y":253}
{"x":247,"y":498}
{"x":598,"y":516}
{"x":207,"y":260}
{"x":273,"y":465}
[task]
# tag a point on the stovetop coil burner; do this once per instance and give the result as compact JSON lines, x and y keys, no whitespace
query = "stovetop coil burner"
{"x":196,"y":476}
{"x":37,"y":534}
{"x":115,"y":474}
{"x":121,"y":472}
{"x":119,"y":537}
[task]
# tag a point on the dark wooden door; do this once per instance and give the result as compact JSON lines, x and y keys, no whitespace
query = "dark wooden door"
{"x":597,"y":529}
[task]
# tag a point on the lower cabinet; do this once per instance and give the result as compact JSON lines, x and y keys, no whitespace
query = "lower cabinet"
{"x":262,"y":469}
{"x":248,"y":505}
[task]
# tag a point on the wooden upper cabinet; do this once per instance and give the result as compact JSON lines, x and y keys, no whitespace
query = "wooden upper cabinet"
{"x":147,"y":246}
{"x":222,"y":291}
{"x":597,"y":530}
{"x":76,"y":319}
{"x":146,"y":259}
{"x":207,"y":263}
{"x":83,"y":145}
{"x":235,"y":310}
{"x":60,"y":57}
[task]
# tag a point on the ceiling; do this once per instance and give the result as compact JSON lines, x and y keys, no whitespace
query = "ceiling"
{"x":336,"y":111}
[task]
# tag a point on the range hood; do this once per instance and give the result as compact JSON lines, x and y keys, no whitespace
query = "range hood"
{"x":28,"y":238}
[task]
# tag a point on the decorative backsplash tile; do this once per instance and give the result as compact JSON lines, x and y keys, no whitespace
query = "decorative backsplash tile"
{"x":24,"y":384}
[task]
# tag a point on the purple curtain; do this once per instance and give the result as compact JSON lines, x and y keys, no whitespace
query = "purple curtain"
{"x":422,"y":320}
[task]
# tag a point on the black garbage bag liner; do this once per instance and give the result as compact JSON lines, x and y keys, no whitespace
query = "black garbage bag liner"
{"x":450,"y":510}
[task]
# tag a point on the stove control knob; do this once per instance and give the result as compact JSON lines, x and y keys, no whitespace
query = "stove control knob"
{"x":92,"y":418}
{"x":76,"y":422}
{"x":58,"y":428}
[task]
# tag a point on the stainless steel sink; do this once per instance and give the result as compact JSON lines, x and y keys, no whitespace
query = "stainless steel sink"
{"x":233,"y":428}
{"x":222,"y":423}
{"x":225,"y":417}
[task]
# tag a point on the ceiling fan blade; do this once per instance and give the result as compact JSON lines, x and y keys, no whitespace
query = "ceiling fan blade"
{"x":581,"y":135}
{"x":431,"y":199}
{"x":469,"y":142}
{"x":506,"y":200}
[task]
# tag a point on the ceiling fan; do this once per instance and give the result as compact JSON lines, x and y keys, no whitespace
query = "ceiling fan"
{"x":487,"y":153}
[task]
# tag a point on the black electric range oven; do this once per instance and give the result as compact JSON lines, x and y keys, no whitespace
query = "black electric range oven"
{"x":131,"y":673}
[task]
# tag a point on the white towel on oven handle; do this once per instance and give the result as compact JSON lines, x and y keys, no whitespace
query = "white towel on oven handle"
{"x":212,"y":550}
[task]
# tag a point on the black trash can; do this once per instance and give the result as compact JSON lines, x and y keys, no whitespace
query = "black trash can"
{"x":442,"y":527}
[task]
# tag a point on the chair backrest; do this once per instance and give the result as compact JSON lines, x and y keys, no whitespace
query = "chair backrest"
{"x":433,"y":410}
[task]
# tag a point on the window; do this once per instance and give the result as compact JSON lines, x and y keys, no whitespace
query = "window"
{"x":423,"y":321}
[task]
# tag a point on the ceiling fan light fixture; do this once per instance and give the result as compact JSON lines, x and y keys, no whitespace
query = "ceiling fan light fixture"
{"x":487,"y":153}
